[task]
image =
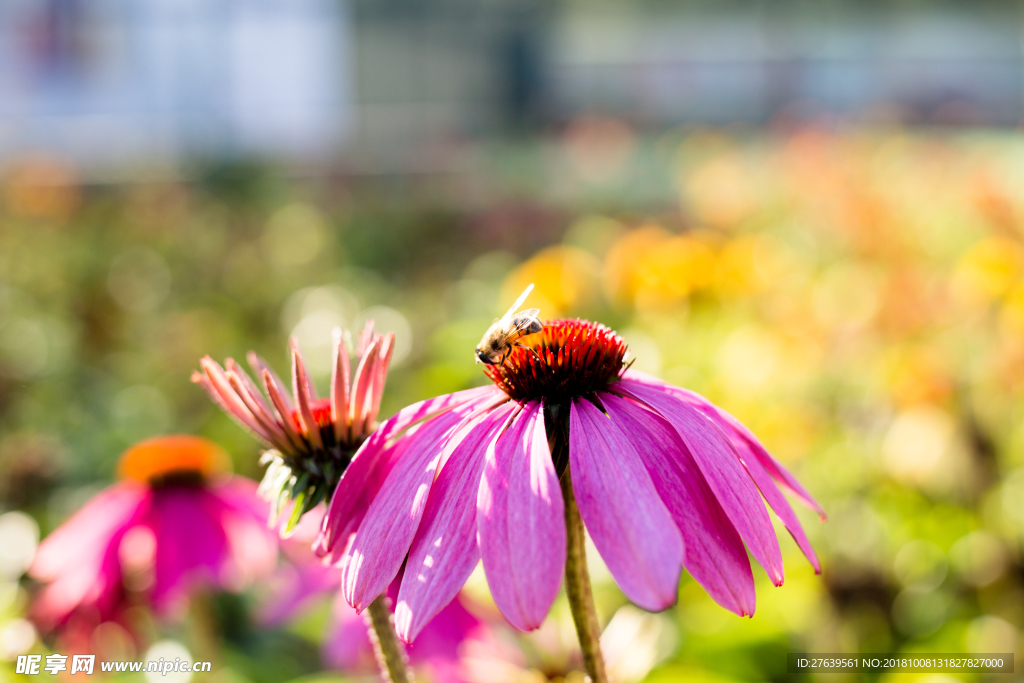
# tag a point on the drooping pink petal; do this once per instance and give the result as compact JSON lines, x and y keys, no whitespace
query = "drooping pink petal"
{"x":191,"y":546}
{"x":713,"y":551}
{"x":371,"y":465}
{"x":379,"y":546}
{"x":242,"y":515}
{"x":722,"y":469}
{"x":620,"y":507}
{"x":746,"y":443}
{"x":781,"y":507}
{"x":521,"y":521}
{"x":734,"y":428}
{"x":81,"y":558}
{"x":88,"y":529}
{"x":357,"y":488}
{"x":444,"y":551}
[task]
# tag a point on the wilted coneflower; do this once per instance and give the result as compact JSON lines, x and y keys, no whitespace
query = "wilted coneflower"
{"x":176,"y":521}
{"x":312,"y":440}
{"x":661,"y":478}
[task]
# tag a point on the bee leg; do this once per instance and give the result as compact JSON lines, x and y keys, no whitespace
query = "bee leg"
{"x":533,"y":351}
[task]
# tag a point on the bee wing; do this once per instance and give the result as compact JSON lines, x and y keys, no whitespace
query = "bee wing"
{"x":519,"y":325}
{"x":526,"y":318}
{"x":519,"y":301}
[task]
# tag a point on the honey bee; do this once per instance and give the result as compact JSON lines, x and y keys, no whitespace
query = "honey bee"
{"x":504,"y":335}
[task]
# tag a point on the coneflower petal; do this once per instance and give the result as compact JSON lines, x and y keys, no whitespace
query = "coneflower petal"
{"x":365,"y":337}
{"x":369,"y":464}
{"x":380,"y":379}
{"x":723,"y":471}
{"x":266,"y":420}
{"x":729,"y":424}
{"x":444,"y":551}
{"x":189,"y":540}
{"x":234,"y":368}
{"x":88,"y":531}
{"x":745,"y":440}
{"x":622,"y":510}
{"x":340,"y":376}
{"x":713,"y":551}
{"x":284,"y":416}
{"x":304,"y":397}
{"x":780,"y":505}
{"x":260,"y":367}
{"x":360,"y":383}
{"x":380,"y":545}
{"x":760,"y":465}
{"x":521,"y":522}
{"x":228,"y":399}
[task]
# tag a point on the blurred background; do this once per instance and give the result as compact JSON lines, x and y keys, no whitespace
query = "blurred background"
{"x":812,"y":213}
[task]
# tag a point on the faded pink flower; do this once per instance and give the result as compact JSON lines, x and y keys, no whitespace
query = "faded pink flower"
{"x":175,"y":522}
{"x":663,"y":479}
{"x":310,"y":439}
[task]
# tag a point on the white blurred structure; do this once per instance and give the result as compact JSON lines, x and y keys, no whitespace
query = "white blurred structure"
{"x":110,"y":80}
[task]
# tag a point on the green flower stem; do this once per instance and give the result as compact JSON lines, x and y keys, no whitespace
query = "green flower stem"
{"x":390,"y":655}
{"x":577,"y":586}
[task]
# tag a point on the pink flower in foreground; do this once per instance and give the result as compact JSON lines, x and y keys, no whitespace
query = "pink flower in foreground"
{"x":174,"y":522}
{"x":347,"y":647}
{"x":663,"y":480}
{"x":311,"y":439}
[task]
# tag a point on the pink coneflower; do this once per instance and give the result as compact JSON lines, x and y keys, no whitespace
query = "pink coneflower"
{"x":175,"y":522}
{"x":310,"y":439}
{"x":662,"y":479}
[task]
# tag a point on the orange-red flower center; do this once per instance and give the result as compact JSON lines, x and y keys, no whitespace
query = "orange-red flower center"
{"x":164,"y":457}
{"x":321,"y":414}
{"x":567,"y":359}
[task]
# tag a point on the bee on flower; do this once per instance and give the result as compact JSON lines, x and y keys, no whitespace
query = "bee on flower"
{"x":565,"y":437}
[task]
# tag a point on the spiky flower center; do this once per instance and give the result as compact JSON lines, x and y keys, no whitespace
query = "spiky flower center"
{"x":566,"y":360}
{"x":179,"y":458}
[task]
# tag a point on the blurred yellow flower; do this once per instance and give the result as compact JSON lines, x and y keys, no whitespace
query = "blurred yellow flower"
{"x":654,"y":269}
{"x":740,"y":265}
{"x":564,"y":278}
{"x":988,"y":269}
